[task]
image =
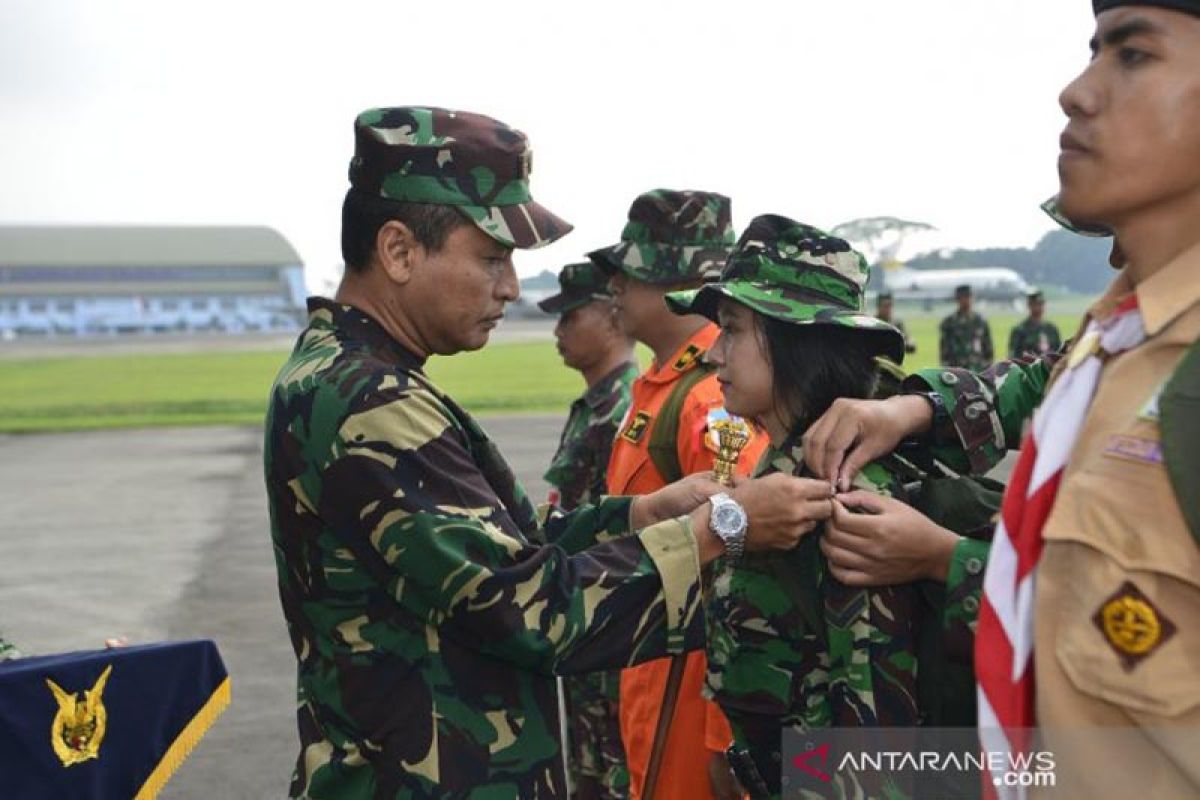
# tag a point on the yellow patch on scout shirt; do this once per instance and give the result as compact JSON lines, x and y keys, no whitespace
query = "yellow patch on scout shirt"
{"x":636,"y":428}
{"x":1132,"y":625}
{"x":689,"y":356}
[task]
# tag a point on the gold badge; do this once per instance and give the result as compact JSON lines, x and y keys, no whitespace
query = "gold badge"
{"x":1087,"y":346}
{"x":690,"y":356}
{"x":78,"y":727}
{"x":636,"y":428}
{"x":1132,"y":625}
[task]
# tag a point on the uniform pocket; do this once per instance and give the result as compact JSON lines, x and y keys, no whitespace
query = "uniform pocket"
{"x":1126,"y":636}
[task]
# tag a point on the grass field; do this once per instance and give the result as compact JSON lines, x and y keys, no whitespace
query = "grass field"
{"x":139,"y":390}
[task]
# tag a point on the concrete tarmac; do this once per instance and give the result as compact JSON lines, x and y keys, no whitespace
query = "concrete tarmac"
{"x":163,"y":534}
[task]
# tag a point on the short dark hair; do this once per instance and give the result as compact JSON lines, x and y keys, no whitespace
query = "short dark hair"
{"x":813,"y":365}
{"x":364,"y":214}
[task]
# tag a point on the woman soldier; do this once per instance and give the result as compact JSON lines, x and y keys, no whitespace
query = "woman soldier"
{"x":788,"y":643}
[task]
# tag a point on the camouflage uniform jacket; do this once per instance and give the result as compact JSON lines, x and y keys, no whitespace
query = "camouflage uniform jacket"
{"x":790,"y":645}
{"x":1033,"y":337}
{"x":966,"y":341}
{"x":577,"y":470}
{"x":427,"y":626}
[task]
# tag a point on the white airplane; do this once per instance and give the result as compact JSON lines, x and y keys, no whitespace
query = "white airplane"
{"x":998,"y":284}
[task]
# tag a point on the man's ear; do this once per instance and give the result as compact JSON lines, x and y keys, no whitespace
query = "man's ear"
{"x":397,"y":251}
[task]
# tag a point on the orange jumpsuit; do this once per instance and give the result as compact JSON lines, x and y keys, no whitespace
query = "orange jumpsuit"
{"x":698,"y":727}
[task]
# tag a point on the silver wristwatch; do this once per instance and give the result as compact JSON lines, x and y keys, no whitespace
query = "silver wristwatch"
{"x":729,"y":522}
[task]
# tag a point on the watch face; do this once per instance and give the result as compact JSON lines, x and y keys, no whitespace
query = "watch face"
{"x":728,"y":518}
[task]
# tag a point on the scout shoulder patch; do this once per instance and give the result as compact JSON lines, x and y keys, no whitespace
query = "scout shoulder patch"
{"x":80,"y":722}
{"x":1132,"y":625}
{"x":636,"y":428}
{"x":688,"y":357}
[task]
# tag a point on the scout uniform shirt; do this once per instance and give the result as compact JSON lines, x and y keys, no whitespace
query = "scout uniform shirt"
{"x":697,"y":726}
{"x":1116,"y":646}
{"x":427,"y":626}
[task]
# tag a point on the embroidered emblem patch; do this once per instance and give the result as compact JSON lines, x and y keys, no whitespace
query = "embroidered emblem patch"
{"x":1132,"y":626}
{"x":689,"y":356}
{"x":79,"y":725}
{"x":636,"y":428}
{"x":1135,"y":448}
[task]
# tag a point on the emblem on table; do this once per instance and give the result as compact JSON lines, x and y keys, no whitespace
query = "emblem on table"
{"x":78,"y":727}
{"x":732,"y":435}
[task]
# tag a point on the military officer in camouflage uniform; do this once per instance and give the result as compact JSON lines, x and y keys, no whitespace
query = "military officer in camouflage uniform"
{"x":591,"y":341}
{"x":1035,"y":335}
{"x":789,"y":642}
{"x":427,"y":623}
{"x":884,"y":305}
{"x":965,"y":336}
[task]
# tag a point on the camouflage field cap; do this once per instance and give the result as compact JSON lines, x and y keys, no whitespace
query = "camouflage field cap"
{"x":474,"y":163}
{"x":795,"y":273}
{"x":672,"y":237}
{"x":579,"y":284}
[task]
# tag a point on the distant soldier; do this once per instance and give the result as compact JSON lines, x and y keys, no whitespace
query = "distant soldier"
{"x":883,"y":310}
{"x":591,"y":341}
{"x":1035,"y":334}
{"x":966,"y":339}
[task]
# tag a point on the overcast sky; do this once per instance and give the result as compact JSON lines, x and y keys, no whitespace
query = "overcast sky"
{"x":219,"y":112}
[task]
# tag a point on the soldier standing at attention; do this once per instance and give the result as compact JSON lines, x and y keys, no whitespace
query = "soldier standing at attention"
{"x":427,"y":623}
{"x":591,"y":341}
{"x":1035,"y":335}
{"x":1087,"y":627}
{"x":884,"y":304}
{"x":965,"y":337}
{"x":672,"y":241}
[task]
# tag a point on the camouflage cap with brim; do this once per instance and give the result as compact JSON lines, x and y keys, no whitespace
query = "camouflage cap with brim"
{"x":797,"y":274}
{"x":579,"y":284}
{"x":455,"y":158}
{"x":672,"y":237}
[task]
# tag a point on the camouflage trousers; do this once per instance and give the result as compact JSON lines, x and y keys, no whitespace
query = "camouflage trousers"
{"x":596,"y":754}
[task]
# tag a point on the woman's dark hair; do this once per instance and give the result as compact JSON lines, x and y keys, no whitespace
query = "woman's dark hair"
{"x":813,"y":365}
{"x":364,"y":214}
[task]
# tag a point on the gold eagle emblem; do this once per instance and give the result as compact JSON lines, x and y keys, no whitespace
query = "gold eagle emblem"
{"x":78,"y":727}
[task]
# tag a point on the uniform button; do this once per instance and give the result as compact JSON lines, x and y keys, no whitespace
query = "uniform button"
{"x":974,"y":410}
{"x":971,"y":604}
{"x":974,"y":566}
{"x":949,"y":378}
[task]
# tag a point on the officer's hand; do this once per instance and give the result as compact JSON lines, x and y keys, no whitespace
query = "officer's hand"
{"x":880,"y":541}
{"x":853,"y":433}
{"x":781,"y":509}
{"x":675,"y":499}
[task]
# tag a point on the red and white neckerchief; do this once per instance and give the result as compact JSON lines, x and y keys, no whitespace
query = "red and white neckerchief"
{"x":1004,"y":636}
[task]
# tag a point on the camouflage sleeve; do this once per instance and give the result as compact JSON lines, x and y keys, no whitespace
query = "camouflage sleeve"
{"x":987,"y":410}
{"x":964,"y":584}
{"x":989,"y":352}
{"x":1014,"y":342}
{"x":400,"y":488}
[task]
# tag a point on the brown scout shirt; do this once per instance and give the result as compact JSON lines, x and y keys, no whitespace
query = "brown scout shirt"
{"x":1118,"y":585}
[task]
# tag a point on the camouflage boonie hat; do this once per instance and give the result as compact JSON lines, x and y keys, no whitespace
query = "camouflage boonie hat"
{"x":579,"y":285}
{"x":672,"y":237}
{"x":454,"y":158}
{"x":794,"y":273}
{"x":1052,"y":209}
